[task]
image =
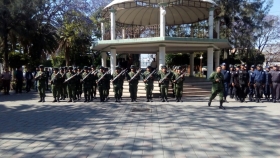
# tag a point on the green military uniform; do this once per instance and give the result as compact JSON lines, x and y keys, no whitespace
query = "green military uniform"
{"x":107,"y":85}
{"x":71,"y":85}
{"x":56,"y":81}
{"x":133,"y":84}
{"x":94,"y":85}
{"x":41,"y":83}
{"x":217,"y":87}
{"x":149,"y":83}
{"x":118,"y":84}
{"x":178,"y":85}
{"x":87,"y":84}
{"x":164,"y":84}
{"x":63,"y":85}
{"x":102,"y":84}
{"x":79,"y":86}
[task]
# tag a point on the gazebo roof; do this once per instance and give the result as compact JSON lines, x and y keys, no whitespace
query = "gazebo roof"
{"x":146,"y":12}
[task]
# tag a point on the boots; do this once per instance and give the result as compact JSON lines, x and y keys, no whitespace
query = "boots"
{"x":148,"y":100}
{"x":151,"y":99}
{"x":40,"y":100}
{"x":43,"y":99}
{"x":54,"y":100}
{"x":221,"y":105}
{"x":209,"y":103}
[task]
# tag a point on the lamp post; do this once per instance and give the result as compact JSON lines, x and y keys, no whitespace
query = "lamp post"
{"x":201,"y":57}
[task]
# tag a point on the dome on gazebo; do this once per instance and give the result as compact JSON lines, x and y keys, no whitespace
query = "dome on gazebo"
{"x":146,"y":12}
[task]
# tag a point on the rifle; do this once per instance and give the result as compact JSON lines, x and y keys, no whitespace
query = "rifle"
{"x":121,"y":73}
{"x":161,"y":80}
{"x":39,"y":75}
{"x":103,"y":76}
{"x":54,"y":77}
{"x":73,"y":76}
{"x":183,"y":74}
{"x":132,"y":78}
{"x":93,"y":72}
{"x":150,"y":75}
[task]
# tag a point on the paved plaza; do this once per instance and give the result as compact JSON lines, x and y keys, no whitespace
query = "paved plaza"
{"x":122,"y":130}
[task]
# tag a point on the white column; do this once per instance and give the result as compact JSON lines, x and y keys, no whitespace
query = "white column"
{"x":209,"y":61}
{"x":113,"y":24}
{"x":217,"y":28}
{"x":211,"y":22}
{"x":161,"y":55}
{"x":191,"y":64}
{"x":102,"y":30}
{"x":103,"y":59}
{"x":162,"y":19}
{"x":113,"y":60}
{"x":123,"y":33}
{"x":217,"y":58}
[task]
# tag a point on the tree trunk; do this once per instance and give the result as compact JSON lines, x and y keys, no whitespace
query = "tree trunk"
{"x":67,"y":57}
{"x":5,"y":49}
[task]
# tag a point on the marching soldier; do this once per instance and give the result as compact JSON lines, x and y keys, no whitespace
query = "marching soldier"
{"x":121,"y":91}
{"x":86,"y":81}
{"x":117,"y":83}
{"x":174,"y":68}
{"x":178,"y":80}
{"x":133,"y":80}
{"x":268,"y":84}
{"x":251,"y":82}
{"x":243,"y":77}
{"x":259,"y":81}
{"x":149,"y":83}
{"x":275,"y":77}
{"x":63,"y":89}
{"x":217,"y":79}
{"x":56,"y":79}
{"x":164,"y":78}
{"x":235,"y":83}
{"x":41,"y":83}
{"x":231,"y":70}
{"x":79,"y":84}
{"x":107,"y":89}
{"x":71,"y":84}
{"x":227,"y":77}
{"x":102,"y":77}
{"x":94,"y":85}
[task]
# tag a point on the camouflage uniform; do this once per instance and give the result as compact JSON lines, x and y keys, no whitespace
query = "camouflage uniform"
{"x":71,"y":85}
{"x":41,"y":83}
{"x":164,"y":84}
{"x":87,"y":85}
{"x":149,"y":84}
{"x":56,"y":80}
{"x":117,"y":84}
{"x":217,"y":87}
{"x":79,"y":85}
{"x":63,"y":86}
{"x":102,"y":85}
{"x":133,"y":84}
{"x":178,"y":85}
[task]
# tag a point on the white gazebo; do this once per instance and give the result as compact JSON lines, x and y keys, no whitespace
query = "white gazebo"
{"x":160,"y":27}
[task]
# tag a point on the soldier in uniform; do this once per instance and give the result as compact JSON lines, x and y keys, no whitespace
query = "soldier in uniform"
{"x":94,"y":85}
{"x":149,"y":83}
{"x":79,"y":84}
{"x":107,"y":89}
{"x":63,"y":85}
{"x":102,"y":83}
{"x":259,"y":82}
{"x":275,"y":77}
{"x":56,"y":79}
{"x":227,"y":77}
{"x":133,"y":83}
{"x":41,"y":83}
{"x":178,"y":80}
{"x":231,"y":70}
{"x":268,"y":84}
{"x":71,"y":84}
{"x":217,"y":79}
{"x":251,"y":82}
{"x":165,"y":77}
{"x":86,"y":81}
{"x":243,"y":77}
{"x":235,"y":82}
{"x":117,"y":83}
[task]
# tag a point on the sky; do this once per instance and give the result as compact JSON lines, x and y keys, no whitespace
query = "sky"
{"x":275,"y":8}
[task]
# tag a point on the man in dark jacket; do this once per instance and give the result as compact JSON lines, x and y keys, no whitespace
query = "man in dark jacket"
{"x":28,"y":78}
{"x":227,"y":77}
{"x":259,"y":82}
{"x":19,"y":80}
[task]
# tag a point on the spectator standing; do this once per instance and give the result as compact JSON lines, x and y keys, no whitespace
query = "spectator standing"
{"x":19,"y":80}
{"x":6,"y":78}
{"x":28,"y":77}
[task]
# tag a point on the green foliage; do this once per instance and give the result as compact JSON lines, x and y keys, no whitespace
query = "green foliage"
{"x":177,"y":59}
{"x":17,"y":59}
{"x":58,"y":61}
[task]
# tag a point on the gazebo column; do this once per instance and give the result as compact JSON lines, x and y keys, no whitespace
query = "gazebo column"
{"x":113,"y":60}
{"x":113,"y":24}
{"x":211,"y":22}
{"x":217,"y":58}
{"x":209,"y":61}
{"x":102,"y":30}
{"x":103,"y":59}
{"x":123,"y":33}
{"x":217,"y":28}
{"x":191,"y":64}
{"x":162,"y":19}
{"x":161,"y":55}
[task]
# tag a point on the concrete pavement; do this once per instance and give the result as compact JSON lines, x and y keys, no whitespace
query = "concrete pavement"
{"x":123,"y":130}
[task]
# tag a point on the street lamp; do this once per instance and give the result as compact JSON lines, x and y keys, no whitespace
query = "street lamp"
{"x":201,"y":57}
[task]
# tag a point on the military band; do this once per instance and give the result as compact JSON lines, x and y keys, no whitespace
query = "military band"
{"x":237,"y":82}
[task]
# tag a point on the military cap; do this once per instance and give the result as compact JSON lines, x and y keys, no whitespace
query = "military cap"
{"x":243,"y":64}
{"x":231,"y":66}
{"x":163,"y":67}
{"x":78,"y":67}
{"x":223,"y":64}
{"x":238,"y":66}
{"x":252,"y":66}
{"x":85,"y":67}
{"x":70,"y":68}
{"x":118,"y":68}
{"x":101,"y":67}
{"x":259,"y":65}
{"x":149,"y":67}
{"x":178,"y":68}
{"x":56,"y":69}
{"x":132,"y":67}
{"x":92,"y":66}
{"x":61,"y":68}
{"x":65,"y":67}
{"x":41,"y":66}
{"x":75,"y":68}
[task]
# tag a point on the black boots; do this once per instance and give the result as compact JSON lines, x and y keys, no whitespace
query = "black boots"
{"x":40,"y":100}
{"x":221,"y":105}
{"x":54,"y":100}
{"x":209,"y":103}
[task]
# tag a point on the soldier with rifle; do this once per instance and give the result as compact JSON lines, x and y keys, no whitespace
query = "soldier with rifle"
{"x":86,"y":81}
{"x":56,"y":84}
{"x":164,"y":77}
{"x":71,"y":84}
{"x":133,"y":78}
{"x":63,"y":89}
{"x":107,"y":89}
{"x":118,"y":78}
{"x":94,"y":85}
{"x":41,"y":83}
{"x":217,"y":79}
{"x":79,"y":86}
{"x":101,"y":83}
{"x":178,"y":79}
{"x":148,"y":78}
